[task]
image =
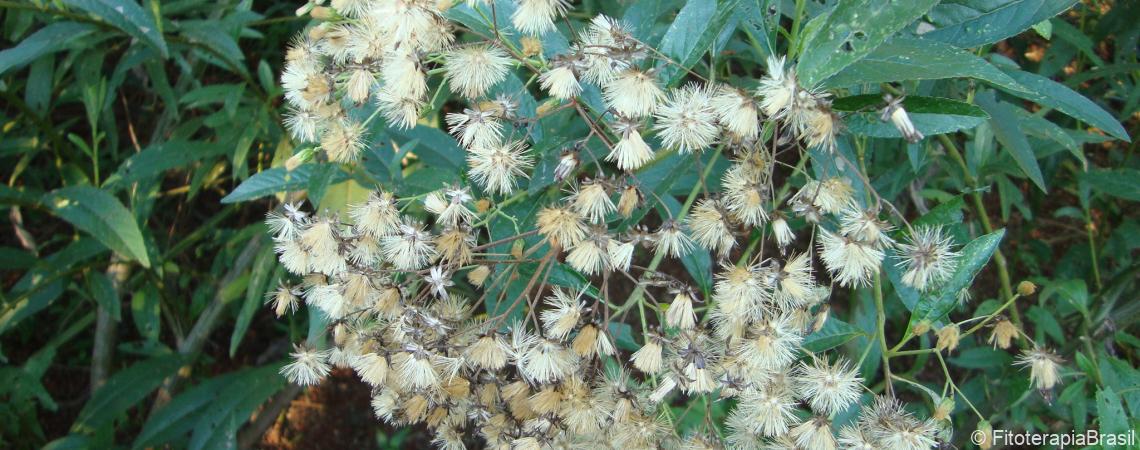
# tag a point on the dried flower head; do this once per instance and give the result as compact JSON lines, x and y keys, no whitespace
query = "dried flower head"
{"x":474,"y":69}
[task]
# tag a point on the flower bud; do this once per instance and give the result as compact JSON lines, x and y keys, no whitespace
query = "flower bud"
{"x":948,"y":338}
{"x":985,"y":435}
{"x":921,"y":328}
{"x":322,"y":13}
{"x":531,"y":46}
{"x":944,"y":408}
{"x":1026,"y":288}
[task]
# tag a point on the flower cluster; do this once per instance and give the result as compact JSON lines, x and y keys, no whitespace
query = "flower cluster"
{"x":418,"y":304}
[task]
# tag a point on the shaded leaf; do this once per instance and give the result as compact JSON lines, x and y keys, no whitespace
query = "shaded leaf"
{"x":272,"y":181}
{"x":834,"y":333}
{"x":905,"y":58}
{"x":1110,"y":411}
{"x":851,"y":31}
{"x":125,"y":15}
{"x":259,"y":279}
{"x":103,"y":291}
{"x":122,"y":391}
{"x":691,"y":34}
{"x":156,"y":159}
{"x":936,"y":305}
{"x":435,"y":148}
{"x":103,"y":216}
{"x":1005,"y":127}
{"x":976,"y":27}
{"x":1123,"y":183}
{"x":52,"y":38}
{"x":1052,"y":94}
{"x":930,"y":115}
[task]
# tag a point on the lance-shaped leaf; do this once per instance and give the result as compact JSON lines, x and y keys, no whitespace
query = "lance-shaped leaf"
{"x":102,"y":215}
{"x":851,"y":31}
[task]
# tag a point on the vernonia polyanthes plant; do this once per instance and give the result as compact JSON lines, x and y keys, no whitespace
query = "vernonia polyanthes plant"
{"x":567,"y":328}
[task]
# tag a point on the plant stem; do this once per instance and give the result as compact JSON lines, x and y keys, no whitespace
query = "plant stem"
{"x":638,"y":294}
{"x":881,"y":317}
{"x":106,"y":326}
{"x":205,"y":324}
{"x":979,"y":205}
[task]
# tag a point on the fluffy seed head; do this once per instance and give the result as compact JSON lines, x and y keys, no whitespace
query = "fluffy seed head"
{"x":473,"y":70}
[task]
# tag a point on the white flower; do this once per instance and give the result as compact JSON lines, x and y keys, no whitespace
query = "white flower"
{"x":592,"y":201}
{"x":343,"y":140}
{"x":475,"y":127}
{"x":309,"y":366}
{"x":680,"y":313}
{"x":633,"y":93}
{"x":737,"y":112}
{"x":537,"y":16}
{"x":828,"y":387}
{"x":851,"y":262}
{"x":303,"y":124}
{"x":896,"y":114}
{"x":401,"y":111}
{"x":710,"y":227}
{"x":439,"y":280}
{"x":927,"y":258}
{"x":497,"y":167}
{"x":561,"y":82}
{"x":1043,"y":367}
{"x":671,"y":240}
{"x":687,"y":120}
{"x":473,"y":70}
{"x":378,"y":216}
{"x":777,"y":89}
{"x":410,"y":248}
{"x":562,"y":316}
{"x":631,"y":152}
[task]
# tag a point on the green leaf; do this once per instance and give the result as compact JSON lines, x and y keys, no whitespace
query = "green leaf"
{"x":127,"y":16}
{"x":103,"y":291}
{"x":435,"y":148}
{"x":1046,"y":323}
{"x":185,"y":412}
{"x":1004,"y":122}
{"x":851,"y":31}
{"x":69,"y":442}
{"x":40,"y":286}
{"x":930,"y":115}
{"x":100,"y":214}
{"x":834,"y":333}
{"x":982,"y":358}
{"x":622,"y":335}
{"x":1123,"y":183}
{"x":179,"y":415}
{"x":146,"y":310}
{"x":983,"y":27}
{"x":272,"y":181}
{"x":692,"y":33}
{"x":1052,"y":94}
{"x":760,"y":19}
{"x":154,"y":160}
{"x":217,"y":427}
{"x":122,"y":391}
{"x":1110,"y":412}
{"x":945,"y":214}
{"x":936,"y":305}
{"x":50,"y":39}
{"x":219,"y":43}
{"x":1123,"y":378}
{"x":254,"y":293}
{"x":905,"y":58}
